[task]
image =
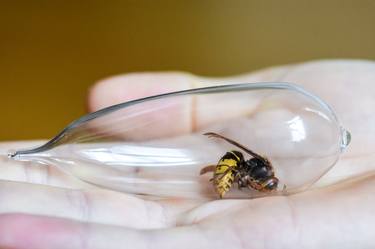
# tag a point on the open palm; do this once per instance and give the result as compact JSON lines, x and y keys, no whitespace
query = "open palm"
{"x":40,"y":207}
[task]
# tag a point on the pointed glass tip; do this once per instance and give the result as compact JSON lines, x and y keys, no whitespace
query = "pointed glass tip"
{"x":346,"y":137}
{"x":6,"y":153}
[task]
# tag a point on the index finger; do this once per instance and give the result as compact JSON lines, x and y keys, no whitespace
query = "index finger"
{"x":174,"y":116}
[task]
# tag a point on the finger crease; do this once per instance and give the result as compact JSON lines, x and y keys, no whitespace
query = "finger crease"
{"x":295,"y":228}
{"x":80,"y":200}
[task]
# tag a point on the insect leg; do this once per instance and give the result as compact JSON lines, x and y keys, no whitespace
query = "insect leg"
{"x":225,"y":172}
{"x":238,"y":180}
{"x":211,"y":168}
{"x":207,"y":169}
{"x":252,"y":184}
{"x":228,"y":168}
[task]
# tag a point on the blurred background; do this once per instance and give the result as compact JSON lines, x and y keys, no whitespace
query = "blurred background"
{"x":51,"y":52}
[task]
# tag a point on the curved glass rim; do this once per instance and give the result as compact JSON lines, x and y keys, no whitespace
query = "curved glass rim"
{"x":204,"y":90}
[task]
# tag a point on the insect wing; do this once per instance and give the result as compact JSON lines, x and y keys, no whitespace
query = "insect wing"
{"x":252,"y":153}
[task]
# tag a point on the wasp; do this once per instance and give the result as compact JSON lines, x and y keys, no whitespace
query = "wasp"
{"x":256,"y":173}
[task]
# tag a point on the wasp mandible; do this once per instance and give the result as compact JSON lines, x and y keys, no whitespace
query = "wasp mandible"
{"x":256,"y":173}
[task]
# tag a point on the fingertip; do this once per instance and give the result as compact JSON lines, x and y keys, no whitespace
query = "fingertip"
{"x":121,"y":88}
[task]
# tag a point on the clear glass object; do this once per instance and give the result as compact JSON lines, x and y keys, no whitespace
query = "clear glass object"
{"x":155,"y":146}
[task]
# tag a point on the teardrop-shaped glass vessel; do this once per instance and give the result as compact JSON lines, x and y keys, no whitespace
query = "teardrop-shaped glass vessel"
{"x":155,"y":145}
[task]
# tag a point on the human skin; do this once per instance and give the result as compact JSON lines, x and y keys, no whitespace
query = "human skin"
{"x":41,"y":207}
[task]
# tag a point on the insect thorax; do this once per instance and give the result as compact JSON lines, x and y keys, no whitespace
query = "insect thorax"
{"x":258,"y":170}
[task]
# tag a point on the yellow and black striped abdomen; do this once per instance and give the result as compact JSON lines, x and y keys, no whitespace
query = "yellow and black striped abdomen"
{"x":225,"y":171}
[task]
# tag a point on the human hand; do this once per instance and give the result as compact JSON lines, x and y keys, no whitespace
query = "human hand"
{"x":43,"y":208}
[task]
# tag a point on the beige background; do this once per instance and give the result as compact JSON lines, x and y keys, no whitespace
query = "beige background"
{"x":52,"y":51}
